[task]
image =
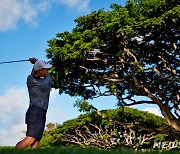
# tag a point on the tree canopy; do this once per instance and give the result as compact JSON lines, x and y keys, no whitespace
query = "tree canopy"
{"x":128,"y":52}
{"x":115,"y":128}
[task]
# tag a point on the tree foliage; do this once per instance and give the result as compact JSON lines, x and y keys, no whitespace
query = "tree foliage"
{"x":127,"y":52}
{"x":115,"y":128}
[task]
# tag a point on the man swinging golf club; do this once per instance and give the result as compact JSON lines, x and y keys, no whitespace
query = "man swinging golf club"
{"x":39,"y":86}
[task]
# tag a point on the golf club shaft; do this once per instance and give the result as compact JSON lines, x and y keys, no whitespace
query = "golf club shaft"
{"x":15,"y":61}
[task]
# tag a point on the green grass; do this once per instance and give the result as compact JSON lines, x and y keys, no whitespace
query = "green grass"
{"x":75,"y":150}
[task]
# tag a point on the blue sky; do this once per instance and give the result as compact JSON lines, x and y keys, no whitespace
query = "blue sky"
{"x":25,"y":28}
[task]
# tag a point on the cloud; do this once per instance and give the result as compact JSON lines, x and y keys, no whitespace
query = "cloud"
{"x":61,"y":108}
{"x":153,"y":110}
{"x":11,"y":100}
{"x":13,"y":11}
{"x":12,"y":134}
{"x":13,"y":104}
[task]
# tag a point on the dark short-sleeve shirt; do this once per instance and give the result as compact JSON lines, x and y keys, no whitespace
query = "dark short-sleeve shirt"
{"x":39,"y":90}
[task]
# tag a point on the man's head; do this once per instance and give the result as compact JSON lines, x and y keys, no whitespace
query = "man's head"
{"x":41,"y":68}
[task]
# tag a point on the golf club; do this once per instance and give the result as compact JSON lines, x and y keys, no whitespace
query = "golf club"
{"x":14,"y":61}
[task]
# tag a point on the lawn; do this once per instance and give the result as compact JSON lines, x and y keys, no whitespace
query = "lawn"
{"x":75,"y":150}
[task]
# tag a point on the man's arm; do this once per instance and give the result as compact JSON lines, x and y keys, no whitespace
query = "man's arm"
{"x":33,"y":60}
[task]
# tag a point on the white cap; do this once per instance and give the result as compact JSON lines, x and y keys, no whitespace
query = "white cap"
{"x":39,"y":64}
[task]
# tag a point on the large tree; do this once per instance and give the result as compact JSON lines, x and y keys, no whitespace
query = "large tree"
{"x":114,"y":129}
{"x":128,"y":52}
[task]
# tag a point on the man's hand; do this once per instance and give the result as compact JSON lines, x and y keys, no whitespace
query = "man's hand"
{"x":33,"y":60}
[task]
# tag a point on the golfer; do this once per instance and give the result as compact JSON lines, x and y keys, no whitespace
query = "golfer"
{"x":39,"y":86}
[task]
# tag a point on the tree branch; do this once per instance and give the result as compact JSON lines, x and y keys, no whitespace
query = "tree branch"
{"x":162,"y":76}
{"x":140,"y":102}
{"x":167,"y":68}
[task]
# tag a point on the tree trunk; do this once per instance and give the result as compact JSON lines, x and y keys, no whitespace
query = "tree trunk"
{"x":170,"y":118}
